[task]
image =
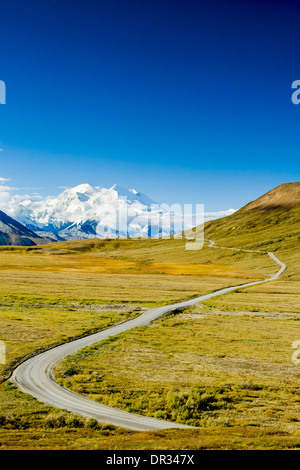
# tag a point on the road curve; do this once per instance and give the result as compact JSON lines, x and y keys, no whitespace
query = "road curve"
{"x":35,"y":376}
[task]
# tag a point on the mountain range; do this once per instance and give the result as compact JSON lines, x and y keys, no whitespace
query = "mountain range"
{"x":14,"y":233}
{"x":88,"y":212}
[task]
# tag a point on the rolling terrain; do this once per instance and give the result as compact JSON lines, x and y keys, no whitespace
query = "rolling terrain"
{"x":35,"y":376}
{"x":270,"y":223}
{"x":227,"y":359}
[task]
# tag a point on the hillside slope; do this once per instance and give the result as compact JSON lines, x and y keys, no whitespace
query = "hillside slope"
{"x":270,"y":223}
{"x":285,"y":196}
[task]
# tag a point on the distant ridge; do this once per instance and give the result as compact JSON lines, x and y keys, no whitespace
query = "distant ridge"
{"x":285,"y":196}
{"x":14,"y":233}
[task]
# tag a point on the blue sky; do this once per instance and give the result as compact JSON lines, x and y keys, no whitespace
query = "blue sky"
{"x":187,"y":101}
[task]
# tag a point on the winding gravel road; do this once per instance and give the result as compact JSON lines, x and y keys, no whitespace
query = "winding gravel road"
{"x":35,"y":376}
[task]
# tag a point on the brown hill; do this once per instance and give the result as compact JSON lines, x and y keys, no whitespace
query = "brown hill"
{"x":285,"y":196}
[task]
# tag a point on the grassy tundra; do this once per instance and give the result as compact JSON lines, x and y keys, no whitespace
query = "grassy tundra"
{"x":54,"y":293}
{"x":224,"y":365}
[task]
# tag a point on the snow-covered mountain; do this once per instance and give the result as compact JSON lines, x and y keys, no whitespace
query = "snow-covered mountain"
{"x":14,"y":233}
{"x":88,"y":212}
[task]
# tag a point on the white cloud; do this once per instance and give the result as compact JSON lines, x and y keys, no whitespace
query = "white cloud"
{"x":3,"y":180}
{"x":30,"y":188}
{"x":213,"y":215}
{"x":13,"y":188}
{"x":15,"y":205}
{"x":7,"y":188}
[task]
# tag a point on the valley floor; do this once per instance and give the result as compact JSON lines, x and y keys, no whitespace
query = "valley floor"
{"x":224,"y":365}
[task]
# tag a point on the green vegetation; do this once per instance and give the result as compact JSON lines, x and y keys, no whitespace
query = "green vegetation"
{"x":276,"y":230}
{"x":26,"y":423}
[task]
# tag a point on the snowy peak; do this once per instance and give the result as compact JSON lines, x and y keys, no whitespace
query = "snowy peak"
{"x":85,"y":211}
{"x":132,"y":195}
{"x":81,"y":188}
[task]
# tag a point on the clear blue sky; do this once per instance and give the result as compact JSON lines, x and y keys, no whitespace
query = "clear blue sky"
{"x":187,"y":101}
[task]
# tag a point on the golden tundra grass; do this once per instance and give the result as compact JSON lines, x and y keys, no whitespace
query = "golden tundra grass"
{"x":117,"y":271}
{"x":199,"y":369}
{"x":27,"y":329}
{"x":69,"y":275}
{"x":52,"y":293}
